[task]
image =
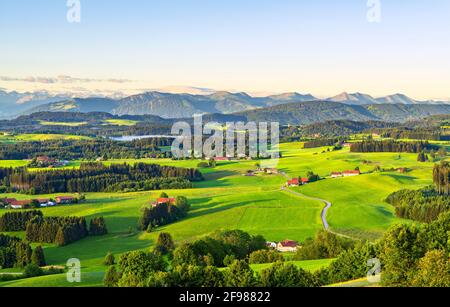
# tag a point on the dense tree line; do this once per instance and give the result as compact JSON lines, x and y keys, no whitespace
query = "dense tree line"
{"x":441,"y":178}
{"x":58,"y":230}
{"x":16,"y":253}
{"x":392,"y":146}
{"x":17,"y":220}
{"x":97,"y":177}
{"x":424,"y":205}
{"x":410,"y":255}
{"x":86,"y":149}
{"x":219,"y":249}
{"x":97,"y":227}
{"x":163,"y":214}
{"x":324,"y":245}
{"x":193,"y":266}
{"x":265,"y":256}
{"x":95,"y":124}
{"x":434,"y":134}
{"x":321,"y":143}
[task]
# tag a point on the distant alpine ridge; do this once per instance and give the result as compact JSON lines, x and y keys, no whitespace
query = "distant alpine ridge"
{"x":185,"y":105}
{"x":364,"y":99}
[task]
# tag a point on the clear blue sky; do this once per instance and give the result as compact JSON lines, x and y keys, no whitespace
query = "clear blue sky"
{"x":318,"y":46}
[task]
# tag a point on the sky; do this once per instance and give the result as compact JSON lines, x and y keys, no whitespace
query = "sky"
{"x":322,"y":47}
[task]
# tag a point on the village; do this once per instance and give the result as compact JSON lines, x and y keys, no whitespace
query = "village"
{"x":12,"y":203}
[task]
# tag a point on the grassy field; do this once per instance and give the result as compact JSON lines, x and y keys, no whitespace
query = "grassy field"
{"x":309,"y":265}
{"x":7,"y":138}
{"x":229,"y":200}
{"x":358,"y":208}
{"x":120,"y":122}
{"x":66,"y":124}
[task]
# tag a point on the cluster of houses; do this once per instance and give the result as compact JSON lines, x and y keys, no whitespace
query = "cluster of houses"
{"x":345,"y":174}
{"x":45,"y":161}
{"x":286,"y":246}
{"x":296,"y":182}
{"x":13,"y":203}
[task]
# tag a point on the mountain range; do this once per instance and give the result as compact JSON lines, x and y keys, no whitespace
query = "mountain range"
{"x":310,"y":112}
{"x":168,"y":105}
{"x":365,"y":99}
{"x":179,"y":105}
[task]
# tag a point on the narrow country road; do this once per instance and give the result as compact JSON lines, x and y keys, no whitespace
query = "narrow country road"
{"x":324,"y":214}
{"x":328,"y":205}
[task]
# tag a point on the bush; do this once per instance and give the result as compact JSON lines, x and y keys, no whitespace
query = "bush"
{"x":37,"y":257}
{"x":98,"y":227}
{"x":33,"y":270}
{"x":111,"y":277}
{"x":109,"y":259}
{"x":265,"y":256}
{"x":239,"y":275}
{"x":165,"y":243}
{"x":286,"y":275}
{"x":324,"y":246}
{"x":203,"y":165}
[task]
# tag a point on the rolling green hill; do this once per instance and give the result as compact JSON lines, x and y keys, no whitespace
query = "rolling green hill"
{"x":228,"y":200}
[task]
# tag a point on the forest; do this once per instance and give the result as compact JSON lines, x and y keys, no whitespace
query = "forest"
{"x":322,"y":143}
{"x":165,"y":213}
{"x":86,"y":149}
{"x":427,"y":204}
{"x":424,"y":205}
{"x":392,"y":146}
{"x":97,"y":177}
{"x":410,"y":256}
{"x":15,"y":253}
{"x":435,"y":134}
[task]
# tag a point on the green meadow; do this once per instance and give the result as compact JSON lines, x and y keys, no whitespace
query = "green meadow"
{"x":228,"y":200}
{"x":112,"y":122}
{"x":10,"y":138}
{"x":66,"y":124}
{"x":120,"y":122}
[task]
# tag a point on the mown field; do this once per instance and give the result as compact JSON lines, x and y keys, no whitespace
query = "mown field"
{"x":229,"y":200}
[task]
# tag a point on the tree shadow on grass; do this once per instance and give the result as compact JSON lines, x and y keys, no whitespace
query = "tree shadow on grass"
{"x":216,"y":207}
{"x":214,"y":180}
{"x":95,"y":247}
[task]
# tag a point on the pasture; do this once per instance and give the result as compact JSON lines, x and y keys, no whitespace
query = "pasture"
{"x":228,"y":200}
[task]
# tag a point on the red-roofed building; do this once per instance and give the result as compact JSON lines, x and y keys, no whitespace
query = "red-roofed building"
{"x":287,"y":246}
{"x":293,"y":183}
{"x":161,"y":201}
{"x":351,"y":173}
{"x":20,"y":204}
{"x":305,"y":180}
{"x":8,"y":201}
{"x":336,"y":174}
{"x":65,"y":199}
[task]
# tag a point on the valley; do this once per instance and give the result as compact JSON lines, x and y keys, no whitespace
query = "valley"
{"x":229,"y":200}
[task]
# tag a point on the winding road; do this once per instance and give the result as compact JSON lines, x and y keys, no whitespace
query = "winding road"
{"x":324,"y":214}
